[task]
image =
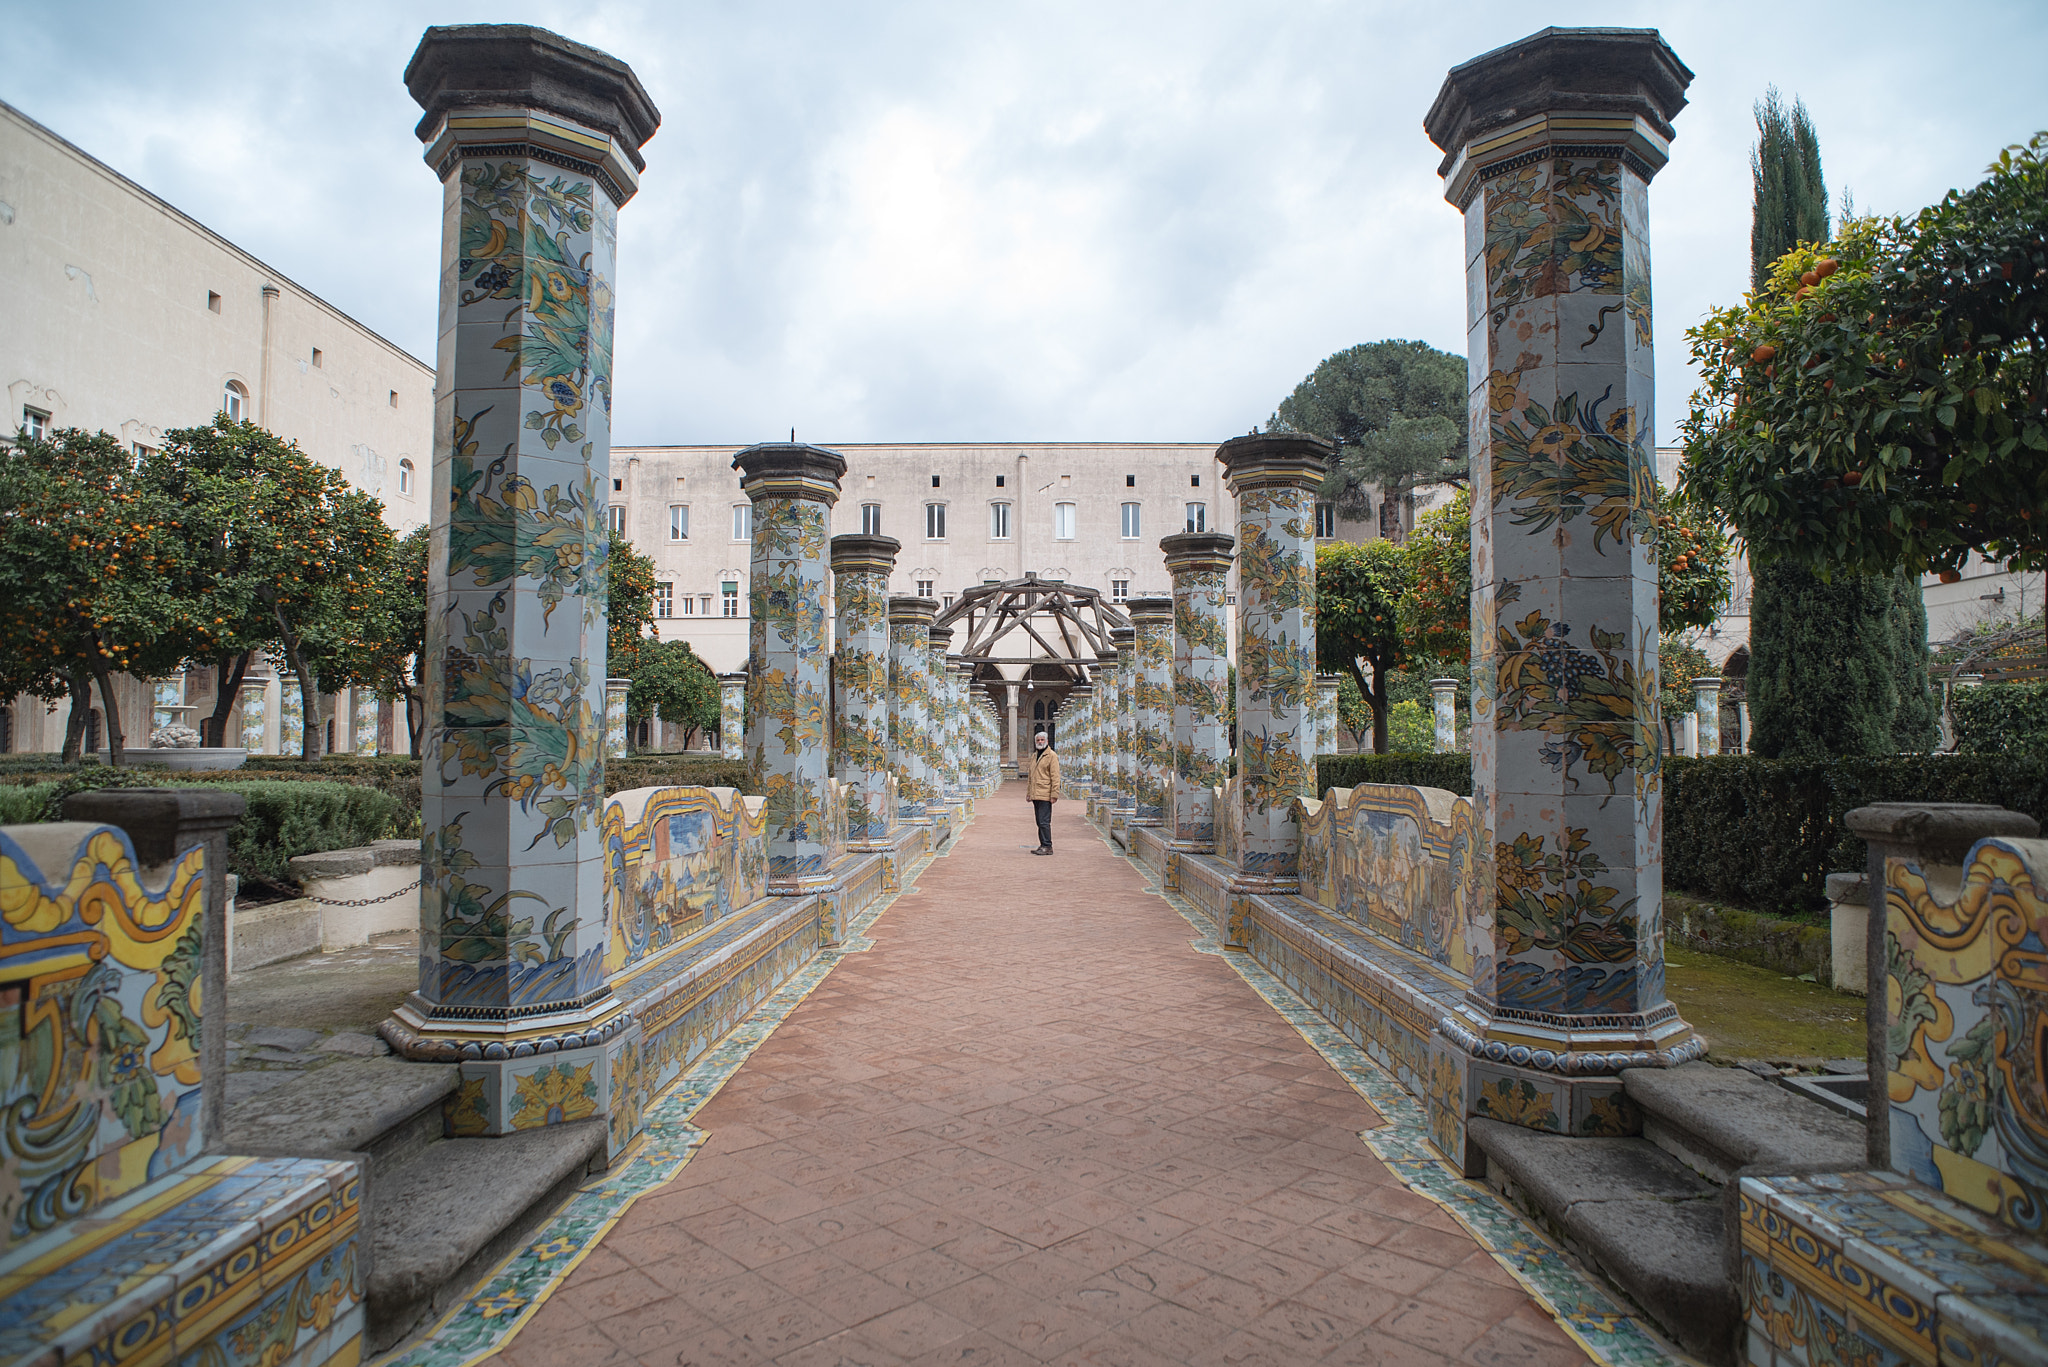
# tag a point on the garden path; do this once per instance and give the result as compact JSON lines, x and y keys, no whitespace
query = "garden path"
{"x":1033,"y":1125}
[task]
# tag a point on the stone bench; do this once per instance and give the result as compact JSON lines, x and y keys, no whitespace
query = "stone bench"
{"x":363,"y":892}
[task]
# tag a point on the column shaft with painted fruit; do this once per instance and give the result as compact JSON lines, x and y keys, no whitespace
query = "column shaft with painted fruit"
{"x":793,"y":488}
{"x":536,"y":142}
{"x":1200,"y":565}
{"x":1550,"y":145}
{"x":1274,"y":478}
{"x":732,"y":716}
{"x":910,"y":624}
{"x":1151,"y":709}
{"x":861,"y":566}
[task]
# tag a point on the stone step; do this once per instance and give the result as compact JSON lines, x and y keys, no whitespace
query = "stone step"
{"x":438,"y":1222}
{"x":1636,"y":1215}
{"x":387,"y":1109}
{"x":1720,"y":1120}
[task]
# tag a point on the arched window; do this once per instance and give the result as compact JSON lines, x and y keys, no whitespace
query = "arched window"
{"x":405,"y":477}
{"x":234,"y":401}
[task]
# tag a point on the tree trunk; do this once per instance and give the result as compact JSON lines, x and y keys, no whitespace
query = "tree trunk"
{"x":108,"y":705}
{"x":312,"y":726}
{"x":214,"y":729}
{"x":415,"y":717}
{"x":1378,"y":699}
{"x":81,"y":712}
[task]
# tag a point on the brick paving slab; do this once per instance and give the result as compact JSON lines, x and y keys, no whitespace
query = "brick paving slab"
{"x":1032,"y":1125}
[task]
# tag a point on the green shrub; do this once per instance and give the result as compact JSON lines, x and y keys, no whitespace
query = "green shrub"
{"x":292,"y":818}
{"x":23,"y":803}
{"x":29,"y":762}
{"x":695,"y":768}
{"x":1422,"y":769}
{"x":2001,"y":719}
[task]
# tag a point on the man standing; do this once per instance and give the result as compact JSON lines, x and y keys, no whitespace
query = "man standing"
{"x":1043,"y":788}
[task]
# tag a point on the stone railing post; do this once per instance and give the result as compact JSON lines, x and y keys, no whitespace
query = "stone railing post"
{"x":1933,"y":838}
{"x":793,"y":488}
{"x":1151,"y":709}
{"x":861,"y":566}
{"x":536,"y":142}
{"x":732,"y":716}
{"x":1200,"y":565}
{"x":1274,"y":478}
{"x":1326,"y":714}
{"x":910,"y":625}
{"x":1706,"y":701}
{"x":1444,"y":694}
{"x":161,"y":823}
{"x":1550,"y":144}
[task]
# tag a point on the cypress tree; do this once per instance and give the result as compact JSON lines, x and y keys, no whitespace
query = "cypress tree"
{"x":1823,"y":676}
{"x":1832,"y":663}
{"x":1791,"y":204}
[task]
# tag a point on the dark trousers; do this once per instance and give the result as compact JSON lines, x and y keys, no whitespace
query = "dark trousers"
{"x":1043,"y":810}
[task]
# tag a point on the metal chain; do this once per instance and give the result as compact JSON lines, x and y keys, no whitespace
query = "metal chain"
{"x":372,"y":901}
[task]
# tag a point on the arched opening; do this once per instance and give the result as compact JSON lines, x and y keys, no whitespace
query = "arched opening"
{"x":234,"y":401}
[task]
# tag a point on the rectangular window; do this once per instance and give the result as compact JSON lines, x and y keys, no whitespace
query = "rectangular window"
{"x":705,"y":600}
{"x":213,"y":301}
{"x":35,"y":422}
{"x":679,"y":522}
{"x":871,"y":519}
{"x":394,"y":398}
{"x":1133,"y":521}
{"x":1194,"y":481}
{"x":665,"y":600}
{"x":317,"y":359}
{"x":1198,"y":517}
{"x":948,"y":601}
{"x":1130,"y":481}
{"x":935,"y":481}
{"x":1063,"y":521}
{"x":999,"y":481}
{"x":688,"y":605}
{"x":999,"y":522}
{"x":924,"y":588}
{"x":1326,"y":519}
{"x":729,"y":591}
{"x":1119,"y":590}
{"x":615,"y":518}
{"x":145,"y":452}
{"x":743,"y":522}
{"x":935,"y":522}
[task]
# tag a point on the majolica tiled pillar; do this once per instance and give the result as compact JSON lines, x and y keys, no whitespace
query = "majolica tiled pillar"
{"x":1077,"y":756}
{"x":1706,"y":701}
{"x":939,"y":753}
{"x":536,"y":142}
{"x":255,"y":712}
{"x":1326,"y":714}
{"x":793,"y":488}
{"x":1151,"y":709}
{"x":368,"y":712}
{"x":1444,"y":693}
{"x":1274,"y":478}
{"x":1550,"y":144}
{"x":732,"y":716}
{"x":1200,"y":565}
{"x":1102,"y":735}
{"x":615,"y":694}
{"x":1124,"y":736}
{"x":961,"y":723}
{"x":860,"y":572}
{"x":910,"y":625}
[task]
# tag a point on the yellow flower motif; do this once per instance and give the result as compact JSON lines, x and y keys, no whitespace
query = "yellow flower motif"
{"x":1622,"y":423}
{"x":504,"y":1303}
{"x":1555,"y":439}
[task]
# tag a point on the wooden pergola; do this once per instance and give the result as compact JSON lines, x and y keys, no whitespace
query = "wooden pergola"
{"x":997,"y":626}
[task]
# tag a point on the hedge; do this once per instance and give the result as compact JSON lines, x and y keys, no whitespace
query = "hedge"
{"x":1762,"y":833}
{"x":2000,"y":719}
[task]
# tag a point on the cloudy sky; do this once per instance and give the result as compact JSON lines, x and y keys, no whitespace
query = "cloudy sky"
{"x":940,"y":220}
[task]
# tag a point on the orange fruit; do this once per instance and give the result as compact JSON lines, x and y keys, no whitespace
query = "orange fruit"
{"x":1763,"y":352}
{"x":1853,"y":477}
{"x":1950,"y":576}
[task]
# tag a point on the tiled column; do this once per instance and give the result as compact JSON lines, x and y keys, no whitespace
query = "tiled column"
{"x":1326,"y":714}
{"x":1200,"y":565}
{"x":367,"y":711}
{"x":1444,"y":693}
{"x":1550,"y":145}
{"x":536,"y":142}
{"x":860,"y":571}
{"x":1706,"y":702}
{"x":958,"y":675}
{"x":255,"y":711}
{"x":1124,"y":736}
{"x":1102,"y":734}
{"x":1151,"y":709}
{"x":793,"y":488}
{"x":615,"y":739}
{"x":910,"y":625}
{"x":732,"y":716}
{"x":1274,"y":478}
{"x":1076,"y":755}
{"x":939,"y":754}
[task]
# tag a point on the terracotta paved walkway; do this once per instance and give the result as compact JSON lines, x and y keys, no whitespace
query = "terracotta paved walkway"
{"x":1033,"y":1125}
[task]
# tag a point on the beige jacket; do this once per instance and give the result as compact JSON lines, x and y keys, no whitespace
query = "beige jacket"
{"x":1042,"y":779}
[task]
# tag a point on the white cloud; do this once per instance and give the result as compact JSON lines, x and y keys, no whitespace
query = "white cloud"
{"x":933,"y":221}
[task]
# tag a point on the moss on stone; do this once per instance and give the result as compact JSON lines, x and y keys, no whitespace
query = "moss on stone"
{"x":1747,"y":1012}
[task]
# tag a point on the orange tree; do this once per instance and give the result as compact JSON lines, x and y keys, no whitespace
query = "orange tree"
{"x":629,"y":606}
{"x":1881,"y":403}
{"x":1359,"y":588}
{"x":276,"y":552}
{"x":84,"y":585}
